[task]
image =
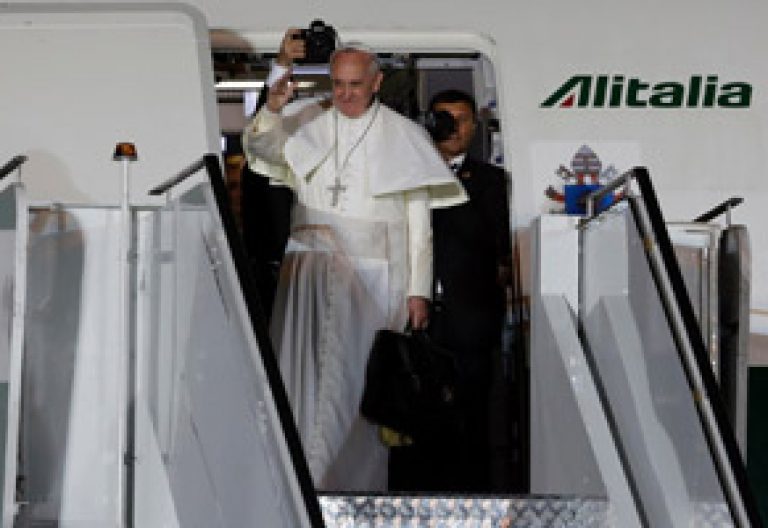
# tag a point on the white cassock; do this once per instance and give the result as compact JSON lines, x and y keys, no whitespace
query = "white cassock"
{"x":360,"y":244}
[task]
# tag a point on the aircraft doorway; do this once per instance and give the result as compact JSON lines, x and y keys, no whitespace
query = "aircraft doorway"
{"x":410,"y":81}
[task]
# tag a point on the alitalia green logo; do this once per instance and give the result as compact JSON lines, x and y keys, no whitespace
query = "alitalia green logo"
{"x":620,"y":91}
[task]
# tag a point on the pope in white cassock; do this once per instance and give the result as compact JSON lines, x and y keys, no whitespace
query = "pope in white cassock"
{"x":360,"y":253}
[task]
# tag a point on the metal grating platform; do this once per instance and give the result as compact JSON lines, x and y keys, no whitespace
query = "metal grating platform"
{"x":366,"y":511}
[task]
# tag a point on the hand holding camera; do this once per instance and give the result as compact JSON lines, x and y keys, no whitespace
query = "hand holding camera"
{"x":292,"y":48}
{"x":313,"y":45}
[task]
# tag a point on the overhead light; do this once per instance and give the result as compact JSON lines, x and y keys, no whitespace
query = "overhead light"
{"x":239,"y":85}
{"x":311,"y":69}
{"x":233,"y":84}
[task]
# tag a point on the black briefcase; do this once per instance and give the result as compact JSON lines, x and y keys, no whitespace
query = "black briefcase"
{"x":411,"y":386}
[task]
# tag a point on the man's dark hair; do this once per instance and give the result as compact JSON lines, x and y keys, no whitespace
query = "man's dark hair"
{"x":453,"y":96}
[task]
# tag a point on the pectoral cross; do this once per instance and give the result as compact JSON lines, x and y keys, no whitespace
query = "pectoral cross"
{"x":337,"y":188}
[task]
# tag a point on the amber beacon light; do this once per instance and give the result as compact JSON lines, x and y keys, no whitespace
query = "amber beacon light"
{"x":125,"y":151}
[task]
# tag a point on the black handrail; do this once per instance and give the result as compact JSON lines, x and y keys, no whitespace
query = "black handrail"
{"x":210,"y":162}
{"x":183,"y":175}
{"x":595,"y":197}
{"x":701,"y":357}
{"x":12,"y":165}
{"x":720,"y":209}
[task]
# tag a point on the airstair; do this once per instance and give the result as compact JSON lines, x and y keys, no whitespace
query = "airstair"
{"x":141,"y":388}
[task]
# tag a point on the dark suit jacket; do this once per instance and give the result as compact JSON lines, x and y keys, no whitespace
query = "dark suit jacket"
{"x":471,"y":241}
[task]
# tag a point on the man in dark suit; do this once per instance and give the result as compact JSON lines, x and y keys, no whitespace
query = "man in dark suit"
{"x":472,"y":264}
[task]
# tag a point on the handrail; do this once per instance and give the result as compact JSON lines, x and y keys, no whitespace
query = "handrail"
{"x":595,"y":197}
{"x":724,"y":207}
{"x":12,"y":165}
{"x":184,"y":174}
{"x":213,"y":167}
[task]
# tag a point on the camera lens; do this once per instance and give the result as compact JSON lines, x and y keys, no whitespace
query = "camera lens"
{"x":440,"y":125}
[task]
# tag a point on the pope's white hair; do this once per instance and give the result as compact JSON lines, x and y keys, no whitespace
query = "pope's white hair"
{"x":354,"y":46}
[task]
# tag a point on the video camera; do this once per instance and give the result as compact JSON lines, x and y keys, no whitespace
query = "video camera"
{"x":440,"y":125}
{"x":320,"y":41}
